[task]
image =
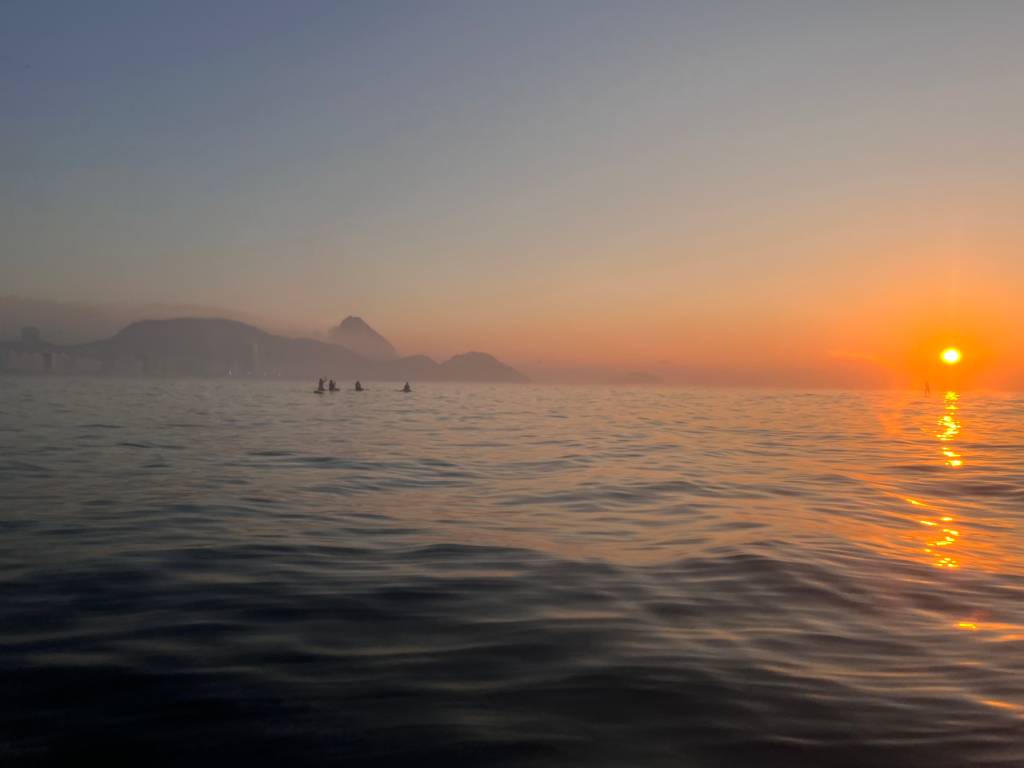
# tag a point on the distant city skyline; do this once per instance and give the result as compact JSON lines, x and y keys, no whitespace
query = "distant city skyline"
{"x":781,"y":191}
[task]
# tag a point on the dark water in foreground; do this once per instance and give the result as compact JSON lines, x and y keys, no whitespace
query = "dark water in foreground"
{"x":211,"y":572}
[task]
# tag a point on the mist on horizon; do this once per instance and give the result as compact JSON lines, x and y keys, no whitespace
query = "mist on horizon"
{"x":777,"y":194}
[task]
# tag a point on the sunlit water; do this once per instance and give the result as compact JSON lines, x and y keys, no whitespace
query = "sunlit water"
{"x":204,"y":572}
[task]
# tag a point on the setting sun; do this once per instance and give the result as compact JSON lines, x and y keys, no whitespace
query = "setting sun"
{"x":951,"y":356}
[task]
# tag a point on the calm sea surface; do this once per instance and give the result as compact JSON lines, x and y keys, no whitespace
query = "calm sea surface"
{"x":206,"y":572}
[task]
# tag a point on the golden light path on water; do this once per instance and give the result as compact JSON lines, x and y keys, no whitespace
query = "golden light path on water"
{"x":946,"y":535}
{"x":942,"y":533}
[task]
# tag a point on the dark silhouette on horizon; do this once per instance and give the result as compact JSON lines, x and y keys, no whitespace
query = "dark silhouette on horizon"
{"x":218,"y":347}
{"x":355,"y":334}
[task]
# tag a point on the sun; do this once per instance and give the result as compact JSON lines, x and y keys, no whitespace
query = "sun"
{"x":951,"y":356}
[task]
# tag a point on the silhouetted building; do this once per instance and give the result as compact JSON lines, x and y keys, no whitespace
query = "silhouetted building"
{"x":30,"y":335}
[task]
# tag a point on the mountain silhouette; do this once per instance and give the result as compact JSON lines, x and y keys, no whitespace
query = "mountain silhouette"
{"x":217,"y":347}
{"x":354,"y":333}
{"x":69,"y":322}
{"x":478,"y":366}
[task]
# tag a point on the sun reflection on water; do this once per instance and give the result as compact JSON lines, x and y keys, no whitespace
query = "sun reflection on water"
{"x":949,"y":429}
{"x":943,"y":534}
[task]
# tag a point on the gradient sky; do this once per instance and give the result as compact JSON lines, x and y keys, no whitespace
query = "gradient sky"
{"x":792,"y":191}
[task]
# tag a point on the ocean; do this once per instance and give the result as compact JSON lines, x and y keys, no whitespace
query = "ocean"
{"x":212,"y":572}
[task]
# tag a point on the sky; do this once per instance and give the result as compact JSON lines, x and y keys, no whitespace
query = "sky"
{"x":766,"y":192}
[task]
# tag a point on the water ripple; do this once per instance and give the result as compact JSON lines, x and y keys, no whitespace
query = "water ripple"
{"x":204,"y":572}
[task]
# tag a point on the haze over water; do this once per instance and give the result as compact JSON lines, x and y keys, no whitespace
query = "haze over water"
{"x":206,"y":571}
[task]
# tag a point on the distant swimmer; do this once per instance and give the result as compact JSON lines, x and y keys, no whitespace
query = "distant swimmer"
{"x":359,"y":387}
{"x":332,"y":386}
{"x":407,"y":388}
{"x":319,"y":386}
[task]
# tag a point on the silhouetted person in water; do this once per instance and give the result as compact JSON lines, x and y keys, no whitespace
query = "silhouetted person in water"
{"x":359,"y":387}
{"x":320,"y":385}
{"x":332,"y":386}
{"x":407,"y":388}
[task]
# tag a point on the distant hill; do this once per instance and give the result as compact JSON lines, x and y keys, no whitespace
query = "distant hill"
{"x":64,"y":322}
{"x":478,"y":366}
{"x":354,"y":333}
{"x":217,"y":347}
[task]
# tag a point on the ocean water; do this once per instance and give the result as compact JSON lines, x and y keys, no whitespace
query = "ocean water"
{"x":220,"y":572}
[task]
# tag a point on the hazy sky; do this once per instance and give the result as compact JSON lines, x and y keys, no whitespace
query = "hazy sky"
{"x":725,"y":185}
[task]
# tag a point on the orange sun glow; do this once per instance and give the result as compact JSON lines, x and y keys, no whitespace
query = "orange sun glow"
{"x":951,"y":356}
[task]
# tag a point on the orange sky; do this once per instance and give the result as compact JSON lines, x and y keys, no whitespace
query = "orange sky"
{"x":816,"y":195}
